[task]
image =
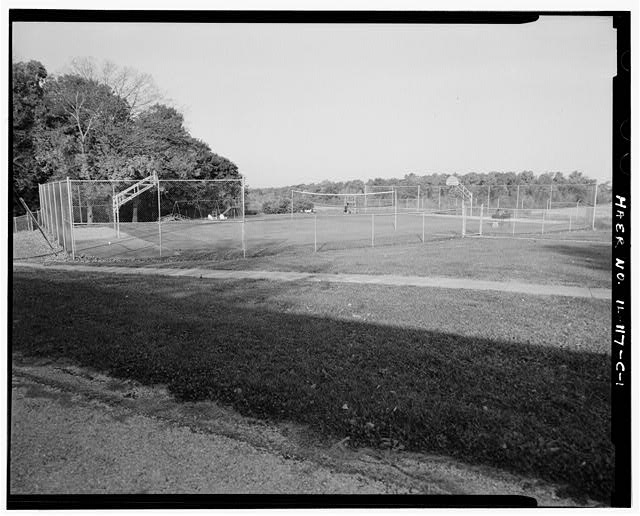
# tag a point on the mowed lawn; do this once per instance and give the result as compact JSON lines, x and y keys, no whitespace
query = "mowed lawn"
{"x":544,"y":261}
{"x":505,"y":380}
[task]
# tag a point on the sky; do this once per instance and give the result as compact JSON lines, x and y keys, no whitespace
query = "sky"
{"x":293,"y":104}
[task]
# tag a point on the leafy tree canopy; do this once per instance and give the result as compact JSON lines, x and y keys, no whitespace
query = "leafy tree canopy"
{"x":99,"y":123}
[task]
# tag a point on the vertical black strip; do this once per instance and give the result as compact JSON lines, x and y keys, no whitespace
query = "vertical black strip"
{"x":621,"y":274}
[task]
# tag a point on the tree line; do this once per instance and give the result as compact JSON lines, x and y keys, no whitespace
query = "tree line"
{"x":100,"y":122}
{"x":489,"y":187}
{"x":108,"y":122}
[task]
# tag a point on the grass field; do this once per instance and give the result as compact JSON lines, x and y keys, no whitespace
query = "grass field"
{"x":523,"y":388}
{"x":274,"y":235}
{"x":498,"y":379}
{"x":544,"y":261}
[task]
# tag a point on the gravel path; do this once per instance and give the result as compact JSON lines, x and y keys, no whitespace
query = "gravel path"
{"x":78,"y":431}
{"x":372,"y":279}
{"x":63,"y":443}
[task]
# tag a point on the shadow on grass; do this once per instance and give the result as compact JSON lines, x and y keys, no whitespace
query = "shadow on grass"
{"x":528,"y":409}
{"x":589,"y":256}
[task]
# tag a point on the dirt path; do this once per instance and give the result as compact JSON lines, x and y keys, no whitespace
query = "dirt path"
{"x":77,"y":431}
{"x":373,"y":279}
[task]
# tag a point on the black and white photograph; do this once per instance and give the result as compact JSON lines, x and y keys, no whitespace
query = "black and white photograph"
{"x":318,"y":259}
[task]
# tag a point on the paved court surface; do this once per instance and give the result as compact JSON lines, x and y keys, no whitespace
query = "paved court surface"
{"x":371,"y":279}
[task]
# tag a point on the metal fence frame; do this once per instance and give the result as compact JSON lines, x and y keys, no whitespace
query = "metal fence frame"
{"x":60,"y":215}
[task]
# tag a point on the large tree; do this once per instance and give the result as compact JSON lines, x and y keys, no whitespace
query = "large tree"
{"x":104,"y":122}
{"x":27,"y":90}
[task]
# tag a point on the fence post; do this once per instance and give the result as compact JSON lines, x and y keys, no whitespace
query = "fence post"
{"x":116,"y":225}
{"x":372,"y":229}
{"x":40,"y":203}
{"x":73,"y":236}
{"x":43,"y":208}
{"x":418,"y":199}
{"x":488,"y":197}
{"x":395,"y":211}
{"x":481,"y":215}
{"x":159,"y":220}
{"x":315,"y":232}
{"x":423,"y":227}
{"x":365,"y":198}
{"x":513,"y":224}
{"x":517,"y":196}
{"x":80,"y":204}
{"x":595,"y":204}
{"x":244,"y":246}
{"x":52,"y":208}
{"x":64,"y":241}
{"x":15,"y":225}
{"x":464,"y":220}
{"x":55,"y":207}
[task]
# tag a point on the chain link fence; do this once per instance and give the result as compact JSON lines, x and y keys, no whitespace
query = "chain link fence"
{"x":25,"y":223}
{"x":206,"y":218}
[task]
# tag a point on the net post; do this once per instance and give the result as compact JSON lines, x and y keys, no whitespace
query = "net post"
{"x":373,"y":230}
{"x":481,"y":215}
{"x":71,"y":221}
{"x":159,"y":219}
{"x":595,"y":203}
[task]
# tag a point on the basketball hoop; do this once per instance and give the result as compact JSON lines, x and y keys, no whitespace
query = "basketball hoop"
{"x":452,"y":181}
